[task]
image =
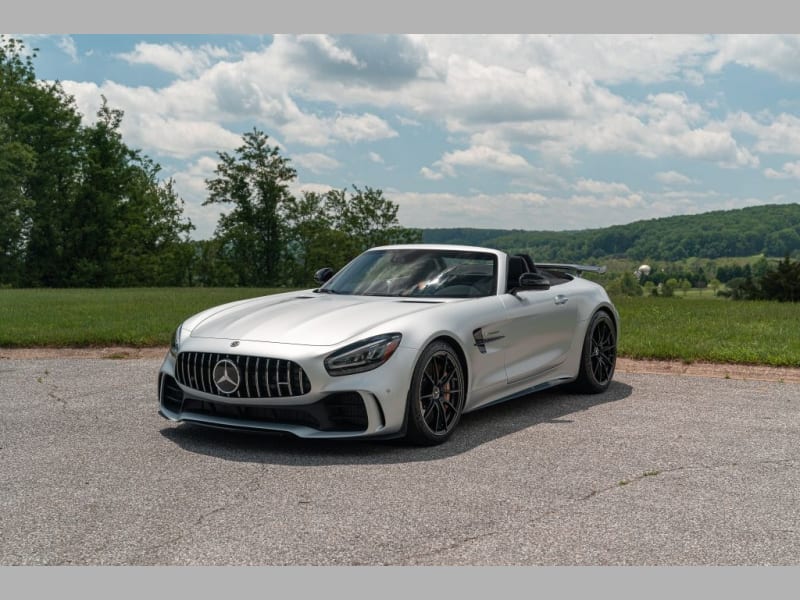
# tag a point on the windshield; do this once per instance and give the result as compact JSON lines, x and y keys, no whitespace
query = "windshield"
{"x":417,"y":272}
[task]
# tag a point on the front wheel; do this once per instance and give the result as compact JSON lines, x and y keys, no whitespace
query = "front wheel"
{"x":436,"y":397}
{"x":598,"y":355}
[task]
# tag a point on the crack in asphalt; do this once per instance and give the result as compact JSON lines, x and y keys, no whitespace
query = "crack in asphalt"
{"x":594,"y":493}
{"x":240,"y":496}
{"x":657,"y":472}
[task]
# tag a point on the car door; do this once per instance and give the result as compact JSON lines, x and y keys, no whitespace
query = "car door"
{"x":539,"y":330}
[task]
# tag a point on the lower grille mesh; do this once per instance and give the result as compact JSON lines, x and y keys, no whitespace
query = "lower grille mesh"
{"x":338,"y":412}
{"x":171,"y":394}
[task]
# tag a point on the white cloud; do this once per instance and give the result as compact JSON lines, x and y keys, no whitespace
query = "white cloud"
{"x":215,"y":99}
{"x":431,"y":174}
{"x":316,"y":162}
{"x":601,"y":187}
{"x":664,"y":126}
{"x":479,"y":210}
{"x":359,"y":128}
{"x":693,"y":77}
{"x":178,"y":138}
{"x":545,"y":93}
{"x":716,"y":146}
{"x":408,"y":122}
{"x":777,"y":54}
{"x":610,"y":59}
{"x":535,"y":108}
{"x":178,"y":59}
{"x":790,"y":170}
{"x":774,"y":135}
{"x":327,"y":45}
{"x":607,"y":201}
{"x":67,"y":44}
{"x":297,"y":188}
{"x":552,"y":213}
{"x":152,"y":121}
{"x":197,"y":172}
{"x":190,"y":185}
{"x":530,"y":211}
{"x":313,"y":130}
{"x":673,"y":178}
{"x":480,"y":157}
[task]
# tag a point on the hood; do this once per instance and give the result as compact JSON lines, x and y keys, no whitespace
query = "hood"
{"x":303,"y":318}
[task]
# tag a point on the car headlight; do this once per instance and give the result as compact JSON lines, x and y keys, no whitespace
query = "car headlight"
{"x":177,"y":338}
{"x":364,"y":355}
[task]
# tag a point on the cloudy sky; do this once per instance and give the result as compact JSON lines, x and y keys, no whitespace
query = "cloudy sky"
{"x":512,"y":131}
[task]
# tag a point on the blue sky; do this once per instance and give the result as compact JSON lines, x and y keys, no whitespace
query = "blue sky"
{"x":512,"y":131}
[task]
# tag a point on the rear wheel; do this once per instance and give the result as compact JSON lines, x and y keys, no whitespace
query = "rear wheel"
{"x":598,"y":356}
{"x":436,"y":397}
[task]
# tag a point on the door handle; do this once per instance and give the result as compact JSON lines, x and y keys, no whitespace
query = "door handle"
{"x":561,"y":299}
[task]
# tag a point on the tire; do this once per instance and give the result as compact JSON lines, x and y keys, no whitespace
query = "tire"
{"x":436,"y":396}
{"x":598,"y":356}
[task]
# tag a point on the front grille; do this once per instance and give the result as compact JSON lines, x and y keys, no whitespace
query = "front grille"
{"x":259,"y":377}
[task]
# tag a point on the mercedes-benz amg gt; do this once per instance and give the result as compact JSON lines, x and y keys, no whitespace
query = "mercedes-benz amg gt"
{"x":399,"y":343}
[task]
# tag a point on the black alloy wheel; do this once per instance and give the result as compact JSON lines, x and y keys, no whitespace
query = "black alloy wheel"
{"x":437,"y":394}
{"x":599,"y":355}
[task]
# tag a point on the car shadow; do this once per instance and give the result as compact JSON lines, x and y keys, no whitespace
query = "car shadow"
{"x":476,"y":428}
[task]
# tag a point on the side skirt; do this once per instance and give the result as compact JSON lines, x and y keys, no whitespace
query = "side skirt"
{"x":536,"y":388}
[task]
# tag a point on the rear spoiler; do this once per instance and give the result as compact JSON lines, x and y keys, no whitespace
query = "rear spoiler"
{"x":577,"y":268}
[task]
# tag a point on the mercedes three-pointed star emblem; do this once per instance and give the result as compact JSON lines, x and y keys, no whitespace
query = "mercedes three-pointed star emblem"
{"x":226,"y":376}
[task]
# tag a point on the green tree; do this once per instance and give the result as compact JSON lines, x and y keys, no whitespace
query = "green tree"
{"x":368,"y":218}
{"x":151,"y":245}
{"x":743,"y":288}
{"x":311,"y":240}
{"x":255,"y":181}
{"x":106,"y":176}
{"x":783,"y":282}
{"x":208,"y":265}
{"x":331,"y":229}
{"x":782,"y":242}
{"x":39,"y":120}
{"x":15,"y":160}
{"x":79,"y":206}
{"x":127,"y":227}
{"x":629,"y":285}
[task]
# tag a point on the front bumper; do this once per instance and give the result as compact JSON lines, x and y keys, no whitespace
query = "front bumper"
{"x":370,"y":404}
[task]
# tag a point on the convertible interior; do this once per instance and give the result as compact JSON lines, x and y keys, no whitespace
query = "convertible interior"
{"x":523,"y":263}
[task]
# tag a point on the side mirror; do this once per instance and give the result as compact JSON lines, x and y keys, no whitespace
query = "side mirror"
{"x":533,"y":281}
{"x":323,"y":275}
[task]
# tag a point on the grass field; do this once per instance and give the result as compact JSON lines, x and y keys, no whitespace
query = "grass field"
{"x":102,"y":317}
{"x":694,"y":328}
{"x":705,"y":328}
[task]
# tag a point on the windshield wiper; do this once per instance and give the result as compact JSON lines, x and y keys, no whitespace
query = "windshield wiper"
{"x":325,"y":291}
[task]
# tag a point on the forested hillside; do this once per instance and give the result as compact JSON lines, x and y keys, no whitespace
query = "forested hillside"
{"x":773,"y":230}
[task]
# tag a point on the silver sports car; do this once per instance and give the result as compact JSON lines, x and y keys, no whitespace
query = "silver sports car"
{"x":399,"y":343}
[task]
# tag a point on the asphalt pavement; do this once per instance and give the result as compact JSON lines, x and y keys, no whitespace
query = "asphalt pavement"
{"x":660,"y":470}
